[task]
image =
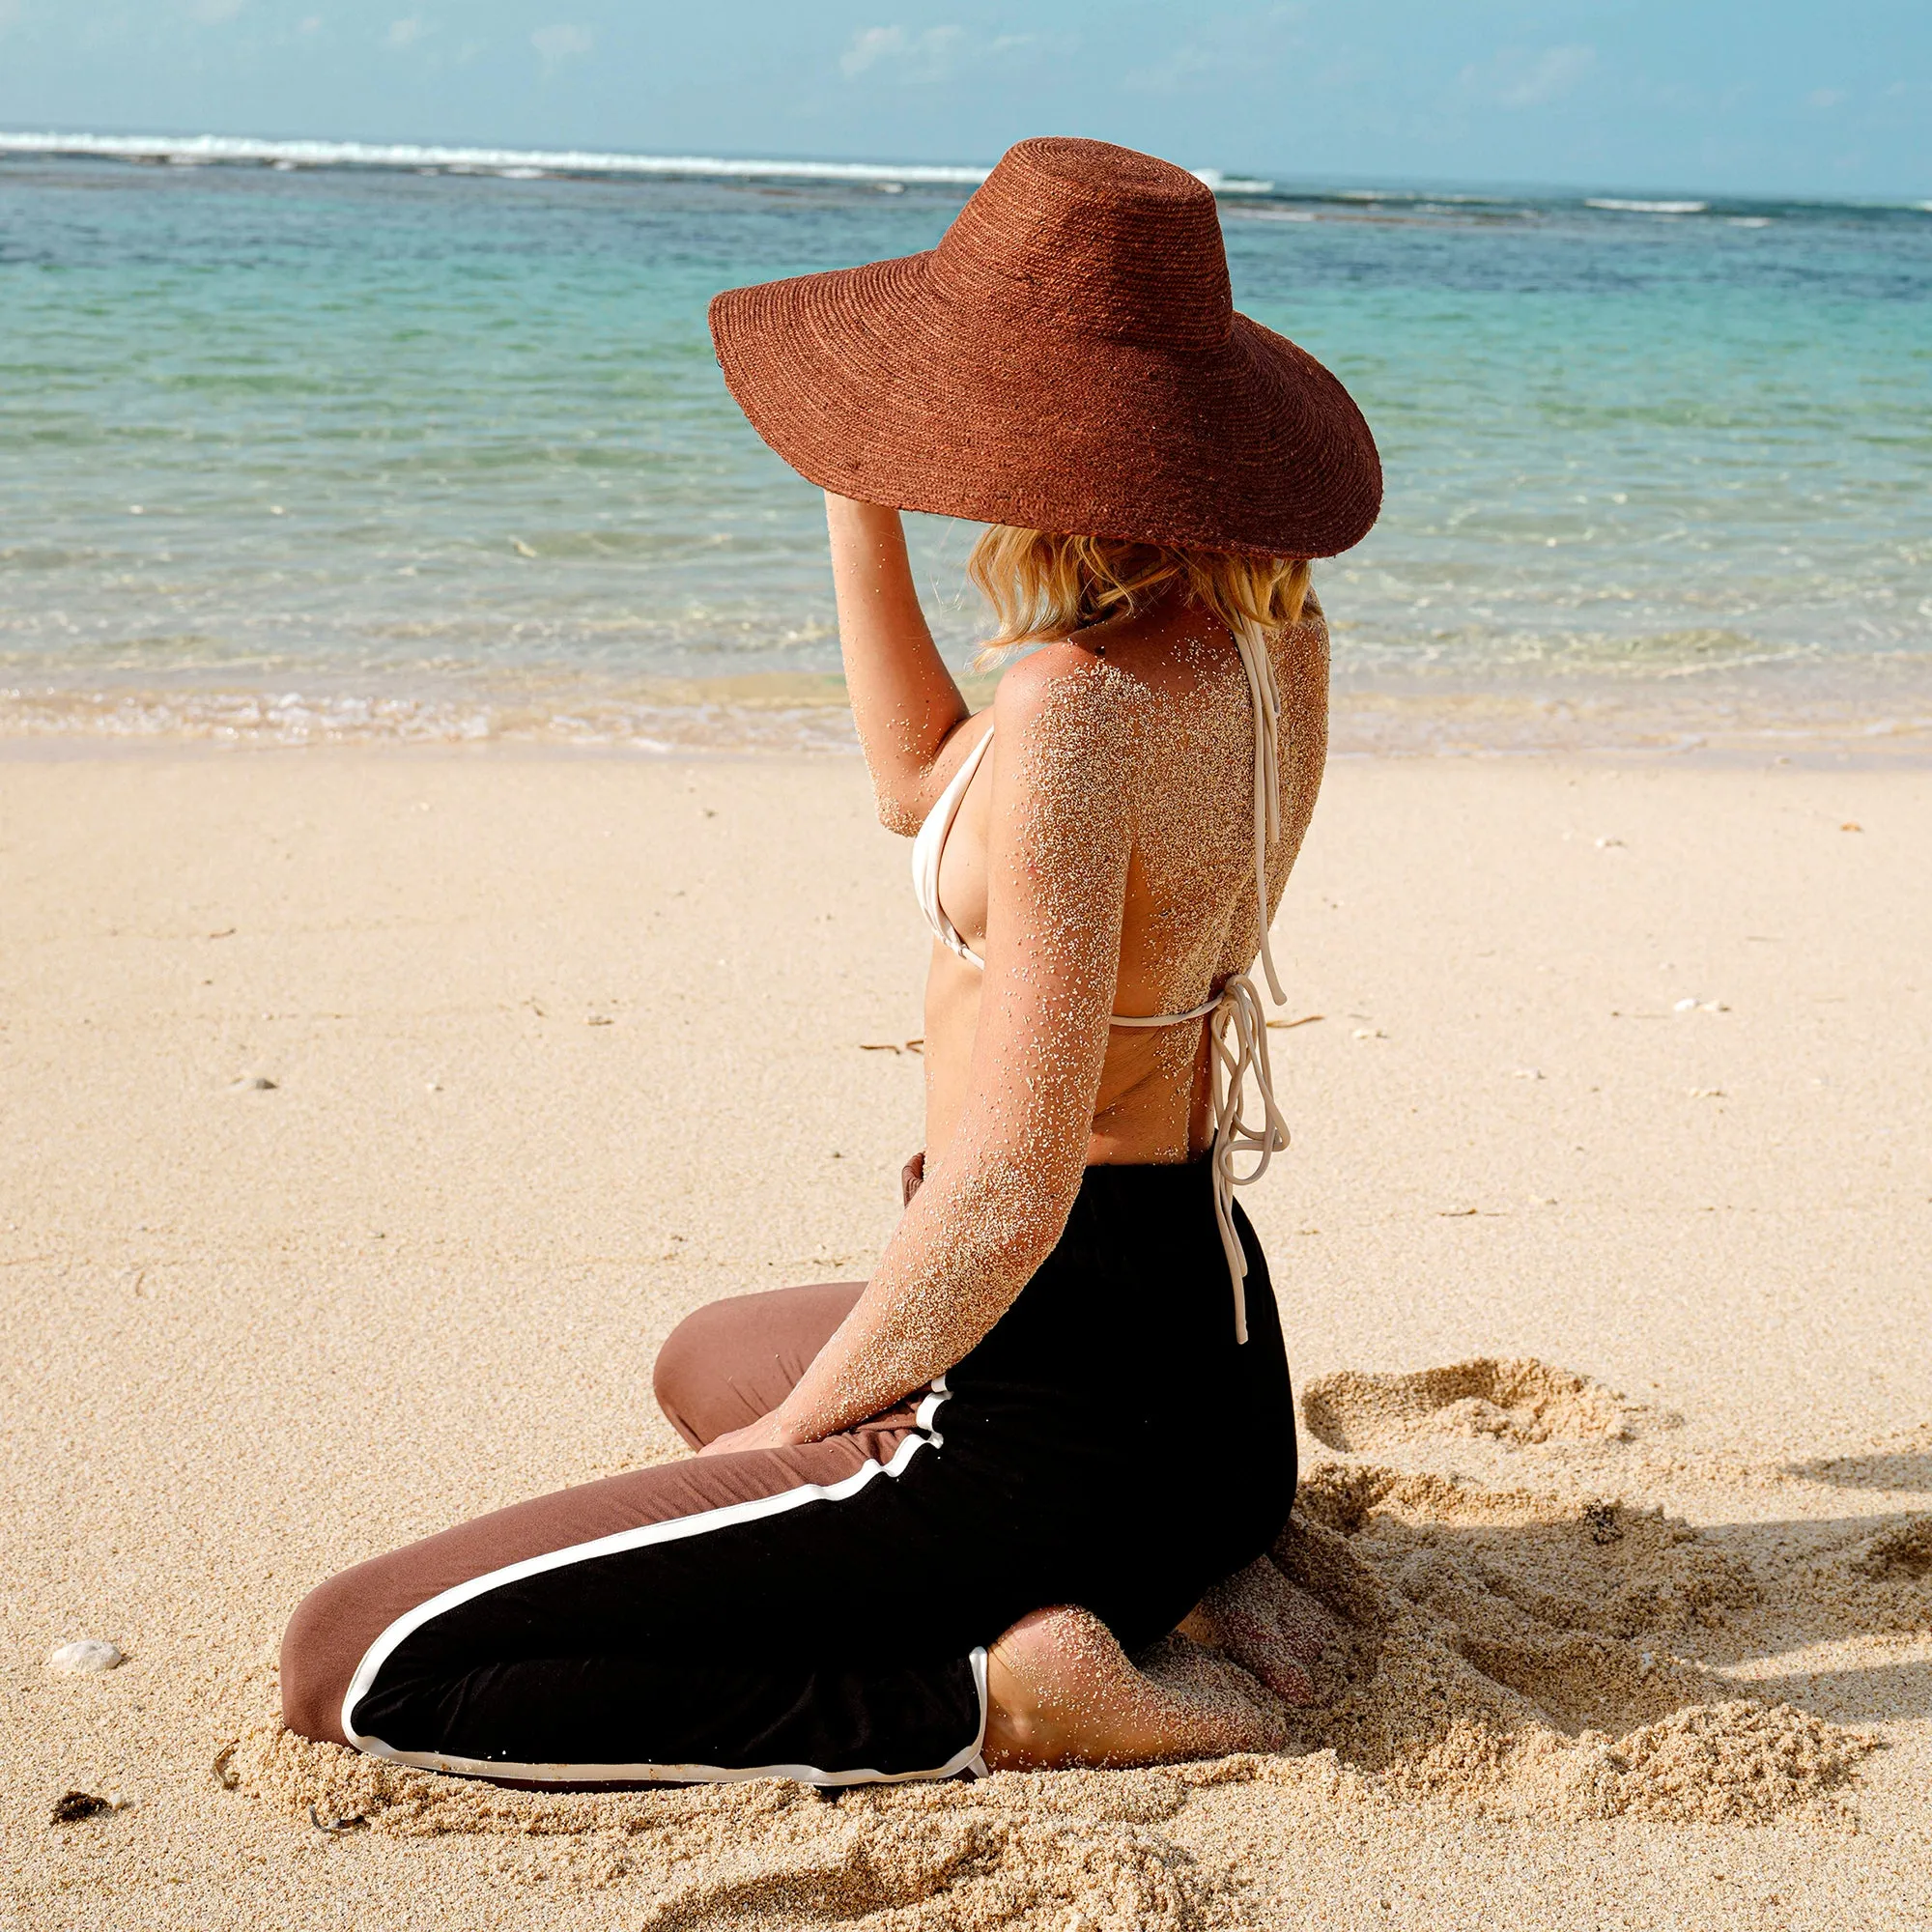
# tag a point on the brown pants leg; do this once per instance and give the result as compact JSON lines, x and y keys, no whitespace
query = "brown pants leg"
{"x":735,"y":1360}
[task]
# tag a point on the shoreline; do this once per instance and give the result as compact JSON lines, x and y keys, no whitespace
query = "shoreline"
{"x":781,"y":715}
{"x":28,"y":749}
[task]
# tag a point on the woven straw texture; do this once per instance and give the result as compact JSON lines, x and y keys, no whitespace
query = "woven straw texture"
{"x":1068,"y":358}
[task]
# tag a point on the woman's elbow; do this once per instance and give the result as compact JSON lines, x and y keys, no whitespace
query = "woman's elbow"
{"x":899,"y":810}
{"x":1024,"y":1213}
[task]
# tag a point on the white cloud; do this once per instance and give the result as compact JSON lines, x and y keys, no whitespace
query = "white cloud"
{"x":408,"y":31}
{"x":1172,"y":72}
{"x":869,"y":46}
{"x":1554,"y":74}
{"x":921,"y":57}
{"x":312,"y":24}
{"x":1827,"y":96}
{"x":1226,"y":50}
{"x":904,"y":55}
{"x":560,"y":42}
{"x":11,"y":14}
{"x":1516,"y":77}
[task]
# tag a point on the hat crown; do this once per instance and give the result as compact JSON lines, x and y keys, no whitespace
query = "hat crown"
{"x":1082,"y":239}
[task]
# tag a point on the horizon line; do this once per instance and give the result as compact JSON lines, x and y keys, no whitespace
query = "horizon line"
{"x":295,"y":153}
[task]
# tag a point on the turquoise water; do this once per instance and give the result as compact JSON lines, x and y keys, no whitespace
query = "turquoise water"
{"x":334,"y":450}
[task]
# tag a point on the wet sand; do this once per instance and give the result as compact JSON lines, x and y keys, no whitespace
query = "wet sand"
{"x":1602,"y":1254}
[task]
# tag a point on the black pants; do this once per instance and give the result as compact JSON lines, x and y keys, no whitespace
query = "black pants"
{"x":822,"y":1612}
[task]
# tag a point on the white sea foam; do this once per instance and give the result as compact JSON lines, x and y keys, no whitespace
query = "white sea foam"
{"x":1372,"y":716}
{"x":727,"y":718}
{"x":514,"y":164}
{"x":413,"y":154}
{"x":1226,"y":184}
{"x":1646,"y":207}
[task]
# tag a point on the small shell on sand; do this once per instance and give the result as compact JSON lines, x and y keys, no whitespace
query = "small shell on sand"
{"x":252,"y":1083}
{"x":87,"y":1656}
{"x":1370,"y":1032}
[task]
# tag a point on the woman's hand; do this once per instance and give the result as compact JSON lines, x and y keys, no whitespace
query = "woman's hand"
{"x":767,"y":1432}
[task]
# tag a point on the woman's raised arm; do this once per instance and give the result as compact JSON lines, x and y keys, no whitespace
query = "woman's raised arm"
{"x":991,"y":1210}
{"x":903,"y":698}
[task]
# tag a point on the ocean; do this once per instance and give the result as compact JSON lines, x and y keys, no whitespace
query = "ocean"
{"x":300,"y":445}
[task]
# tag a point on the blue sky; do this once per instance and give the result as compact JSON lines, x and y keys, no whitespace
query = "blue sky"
{"x":1779,"y":96}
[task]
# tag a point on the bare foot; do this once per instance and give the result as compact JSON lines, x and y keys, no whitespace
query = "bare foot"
{"x":1061,"y":1692}
{"x":1268,"y":1626}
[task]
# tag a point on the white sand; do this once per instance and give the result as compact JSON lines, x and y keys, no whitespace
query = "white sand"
{"x":255,"y":1333}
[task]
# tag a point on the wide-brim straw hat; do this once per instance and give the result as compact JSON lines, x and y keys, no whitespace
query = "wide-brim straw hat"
{"x":1068,"y":359}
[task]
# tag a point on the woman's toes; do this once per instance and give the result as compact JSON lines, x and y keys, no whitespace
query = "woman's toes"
{"x":1227,"y":1709}
{"x":1288,"y":1680}
{"x":1268,"y":1627}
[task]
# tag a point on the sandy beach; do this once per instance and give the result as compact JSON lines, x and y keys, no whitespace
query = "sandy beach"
{"x":368,"y":1116}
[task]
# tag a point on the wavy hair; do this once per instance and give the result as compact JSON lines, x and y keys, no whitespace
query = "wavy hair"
{"x":1043,"y":585}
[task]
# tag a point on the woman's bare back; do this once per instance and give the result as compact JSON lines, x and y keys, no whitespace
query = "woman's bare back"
{"x":1183,"y":721}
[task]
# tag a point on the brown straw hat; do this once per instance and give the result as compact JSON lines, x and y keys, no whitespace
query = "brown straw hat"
{"x":1068,"y":358}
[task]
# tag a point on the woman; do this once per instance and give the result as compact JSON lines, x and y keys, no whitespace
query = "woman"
{"x":934,"y":1512}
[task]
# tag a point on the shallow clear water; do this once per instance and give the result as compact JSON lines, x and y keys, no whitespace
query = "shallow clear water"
{"x":344,"y":449}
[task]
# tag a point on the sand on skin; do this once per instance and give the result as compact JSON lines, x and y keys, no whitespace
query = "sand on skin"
{"x":563,"y":1046}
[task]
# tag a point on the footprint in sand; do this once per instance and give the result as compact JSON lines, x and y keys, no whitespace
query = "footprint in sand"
{"x":1510,"y":1399}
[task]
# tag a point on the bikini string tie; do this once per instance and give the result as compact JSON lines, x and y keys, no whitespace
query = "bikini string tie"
{"x":1240,"y":1011}
{"x":1239,"y":1007}
{"x":1252,"y":642}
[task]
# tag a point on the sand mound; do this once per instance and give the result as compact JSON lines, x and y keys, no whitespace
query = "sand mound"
{"x":1878,"y":1582}
{"x":1903,"y":1552}
{"x":1504,"y":1651}
{"x":1508,"y":1399}
{"x":1047,"y":1850}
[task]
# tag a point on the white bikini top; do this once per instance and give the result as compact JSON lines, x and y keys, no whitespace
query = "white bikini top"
{"x":1238,"y":1005}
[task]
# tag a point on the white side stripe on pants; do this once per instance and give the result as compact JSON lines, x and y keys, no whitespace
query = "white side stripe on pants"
{"x":674,"y":1530}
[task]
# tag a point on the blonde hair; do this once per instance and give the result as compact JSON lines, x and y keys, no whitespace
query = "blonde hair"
{"x":1043,"y":585}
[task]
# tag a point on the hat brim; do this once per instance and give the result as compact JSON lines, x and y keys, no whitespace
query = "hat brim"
{"x":873,"y":383}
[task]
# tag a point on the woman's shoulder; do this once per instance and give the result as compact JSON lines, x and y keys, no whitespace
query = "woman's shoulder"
{"x":1064,"y":709}
{"x":1061,"y":679}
